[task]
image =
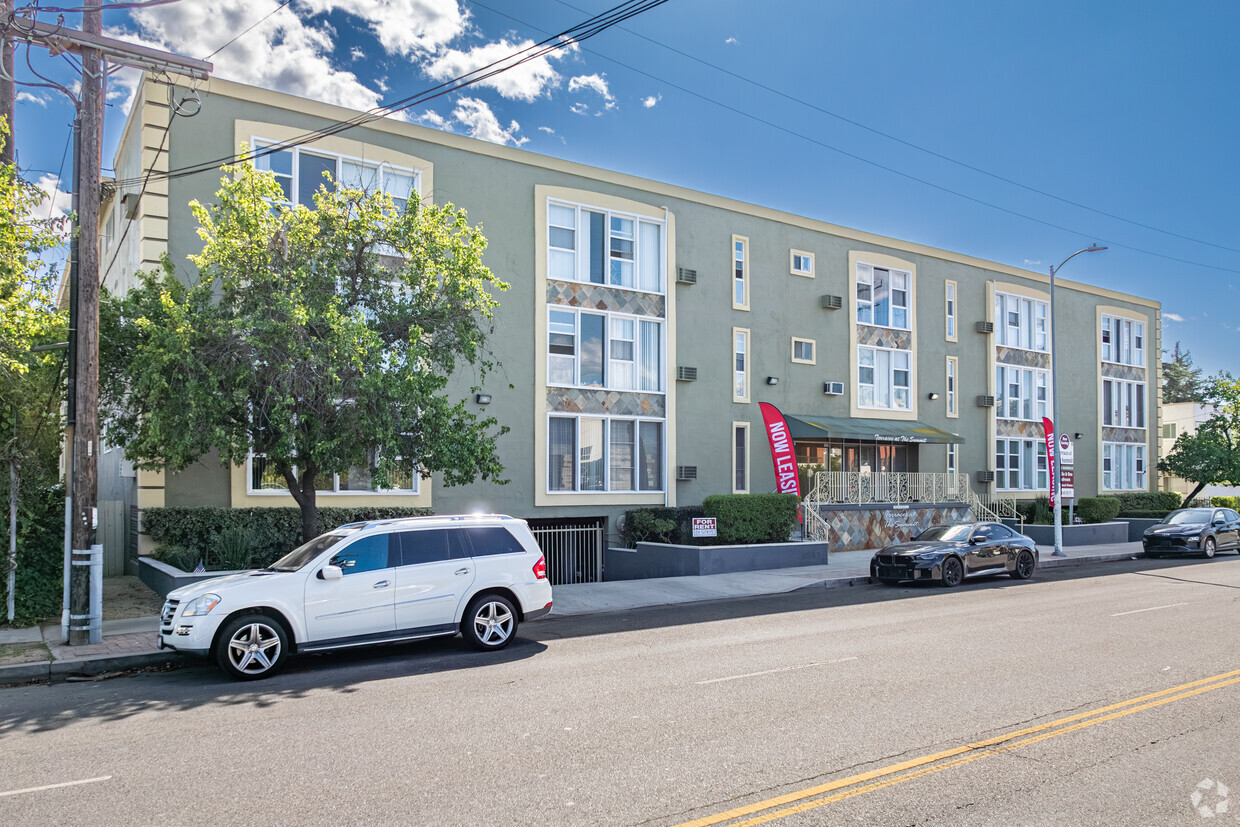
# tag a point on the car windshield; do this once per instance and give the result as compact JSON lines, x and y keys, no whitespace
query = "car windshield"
{"x":1188,"y":516}
{"x":302,"y":555}
{"x":946,"y":533}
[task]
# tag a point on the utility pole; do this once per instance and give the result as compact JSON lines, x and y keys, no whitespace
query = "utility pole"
{"x":8,"y":94}
{"x":82,"y":617}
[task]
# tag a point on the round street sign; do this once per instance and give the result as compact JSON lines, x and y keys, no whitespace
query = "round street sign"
{"x":1065,"y":450}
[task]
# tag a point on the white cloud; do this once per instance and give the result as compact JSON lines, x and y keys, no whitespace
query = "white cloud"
{"x":594,"y":83}
{"x":651,"y":101}
{"x":580,"y":109}
{"x":552,"y":133}
{"x":732,"y":41}
{"x":1175,"y":317}
{"x":55,"y":205}
{"x":526,"y":82}
{"x":403,"y":27}
{"x":357,"y":53}
{"x":433,"y":119}
{"x":29,"y":98}
{"x":480,"y":122}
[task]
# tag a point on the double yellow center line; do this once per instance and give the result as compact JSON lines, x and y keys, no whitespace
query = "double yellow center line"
{"x":811,"y":798}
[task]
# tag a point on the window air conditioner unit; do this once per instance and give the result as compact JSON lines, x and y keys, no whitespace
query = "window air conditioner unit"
{"x":985,"y":327}
{"x":985,"y":401}
{"x":684,"y":373}
{"x":686,"y":472}
{"x":985,"y":476}
{"x":686,"y":276}
{"x":833,"y":388}
{"x":830,"y":302}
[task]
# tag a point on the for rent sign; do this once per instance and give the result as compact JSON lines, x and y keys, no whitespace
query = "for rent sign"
{"x":705,"y":527}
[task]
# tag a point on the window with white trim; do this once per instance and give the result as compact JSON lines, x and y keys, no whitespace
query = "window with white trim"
{"x":1021,"y":393}
{"x":1123,"y":466}
{"x":262,"y":478}
{"x":590,"y":244}
{"x":299,"y":172}
{"x":1123,"y":403}
{"x":1020,"y":465}
{"x":951,"y":460}
{"x":604,"y":350}
{"x":1021,"y":322}
{"x":802,"y":263}
{"x":949,"y":296}
{"x":740,"y":273}
{"x":740,"y":457}
{"x":883,"y":296}
{"x":1123,"y":341}
{"x":740,"y":364}
{"x":601,"y":454}
{"x":953,"y":369}
{"x":803,"y":351}
{"x":884,"y":378}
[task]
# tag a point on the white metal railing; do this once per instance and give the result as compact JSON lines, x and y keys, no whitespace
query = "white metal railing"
{"x":901,"y":488}
{"x":816,"y":526}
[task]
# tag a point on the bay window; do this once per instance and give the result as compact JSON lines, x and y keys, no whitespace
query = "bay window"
{"x":1123,"y":341}
{"x":1123,"y":403}
{"x":600,"y":246}
{"x":1123,"y":467}
{"x":604,"y":350}
{"x":883,"y":296}
{"x":1021,"y":393}
{"x":884,"y":378}
{"x":600,"y":454}
{"x":1021,"y":322}
{"x":1020,"y":465}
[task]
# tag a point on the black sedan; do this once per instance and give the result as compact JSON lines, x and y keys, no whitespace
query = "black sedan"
{"x":950,"y":553}
{"x":1201,"y":531}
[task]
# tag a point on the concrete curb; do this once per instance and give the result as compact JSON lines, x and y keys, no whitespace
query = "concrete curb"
{"x":96,"y":665}
{"x":25,"y":672}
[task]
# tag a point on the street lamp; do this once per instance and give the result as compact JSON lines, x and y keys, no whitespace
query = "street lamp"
{"x":1058,"y":509}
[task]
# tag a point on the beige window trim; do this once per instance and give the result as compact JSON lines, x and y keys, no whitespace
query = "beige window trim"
{"x":748,"y":362}
{"x":813,"y":346}
{"x":741,"y":426}
{"x":792,"y":264}
{"x":951,"y":311}
{"x":952,"y":390}
{"x":745,"y":272}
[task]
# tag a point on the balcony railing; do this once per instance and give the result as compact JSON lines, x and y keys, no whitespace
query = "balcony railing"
{"x":901,"y":488}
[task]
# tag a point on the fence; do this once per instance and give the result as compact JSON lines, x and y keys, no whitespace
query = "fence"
{"x":862,"y":487}
{"x":574,"y":552}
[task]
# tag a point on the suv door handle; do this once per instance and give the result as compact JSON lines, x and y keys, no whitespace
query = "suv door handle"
{"x":382,"y":584}
{"x":461,"y":571}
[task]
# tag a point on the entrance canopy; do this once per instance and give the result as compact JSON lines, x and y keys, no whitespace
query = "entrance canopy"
{"x":876,"y":430}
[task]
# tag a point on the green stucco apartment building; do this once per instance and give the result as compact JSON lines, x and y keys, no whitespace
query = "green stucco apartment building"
{"x":646,"y":321}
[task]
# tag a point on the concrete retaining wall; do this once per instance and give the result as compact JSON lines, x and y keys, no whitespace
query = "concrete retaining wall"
{"x":1137,"y":527}
{"x":666,"y":560}
{"x":163,"y":578}
{"x":1088,"y":534}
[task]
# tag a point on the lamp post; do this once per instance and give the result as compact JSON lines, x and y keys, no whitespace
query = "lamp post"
{"x":1058,"y":509}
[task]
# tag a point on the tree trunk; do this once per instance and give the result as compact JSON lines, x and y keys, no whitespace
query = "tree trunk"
{"x":1195,"y":492}
{"x":303,"y":492}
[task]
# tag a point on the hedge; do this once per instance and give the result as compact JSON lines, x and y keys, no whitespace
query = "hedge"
{"x":1097,"y":509}
{"x":273,"y":532}
{"x":1225,"y":502}
{"x":1144,"y":502}
{"x":661,"y":525}
{"x":40,"y":554}
{"x":752,"y":518}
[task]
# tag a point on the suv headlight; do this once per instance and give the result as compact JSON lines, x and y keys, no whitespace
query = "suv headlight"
{"x":201,"y":605}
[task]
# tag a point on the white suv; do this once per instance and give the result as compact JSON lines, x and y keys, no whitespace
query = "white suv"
{"x":363,"y":583}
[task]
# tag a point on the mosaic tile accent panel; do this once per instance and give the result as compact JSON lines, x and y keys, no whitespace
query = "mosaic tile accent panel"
{"x":884,"y":337}
{"x":1022,"y":358}
{"x":1134,"y":436}
{"x":614,"y":403}
{"x":600,"y":297}
{"x":1129,"y":372}
{"x":853,"y":528}
{"x":1018,"y":427}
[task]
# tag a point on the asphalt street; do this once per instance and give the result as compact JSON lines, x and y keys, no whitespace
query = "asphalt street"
{"x":1103,"y":694}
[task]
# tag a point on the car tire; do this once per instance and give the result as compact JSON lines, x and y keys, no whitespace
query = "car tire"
{"x":490,"y":623}
{"x":889,"y":581}
{"x":252,"y":646}
{"x":952,"y":573}
{"x":1025,"y":565}
{"x":1208,"y":547}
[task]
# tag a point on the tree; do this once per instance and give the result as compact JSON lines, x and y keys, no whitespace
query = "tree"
{"x":1211,"y":455}
{"x":1182,"y":382}
{"x":321,"y":340}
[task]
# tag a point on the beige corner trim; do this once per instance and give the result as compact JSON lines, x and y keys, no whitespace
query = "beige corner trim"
{"x":856,"y":257}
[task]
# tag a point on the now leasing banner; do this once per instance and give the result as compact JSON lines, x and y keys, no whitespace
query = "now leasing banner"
{"x":782,"y":452}
{"x":1049,"y":429}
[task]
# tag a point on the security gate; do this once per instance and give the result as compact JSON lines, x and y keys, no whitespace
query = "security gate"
{"x":574,"y":552}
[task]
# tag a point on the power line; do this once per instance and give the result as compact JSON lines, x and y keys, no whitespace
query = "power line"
{"x":877,"y":164}
{"x":248,"y":29}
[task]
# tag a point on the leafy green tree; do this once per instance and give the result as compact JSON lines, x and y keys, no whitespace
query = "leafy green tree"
{"x":1211,"y":455}
{"x":321,"y":339}
{"x":1182,"y":382}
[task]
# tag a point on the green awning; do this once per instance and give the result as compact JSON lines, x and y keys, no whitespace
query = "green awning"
{"x":869,"y":430}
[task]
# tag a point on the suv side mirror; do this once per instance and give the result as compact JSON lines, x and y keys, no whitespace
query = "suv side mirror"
{"x":330,"y":573}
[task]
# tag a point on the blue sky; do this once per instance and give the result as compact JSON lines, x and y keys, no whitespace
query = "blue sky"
{"x":1072,"y":122}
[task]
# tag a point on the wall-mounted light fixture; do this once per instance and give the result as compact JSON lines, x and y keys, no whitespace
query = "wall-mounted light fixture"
{"x":1078,"y":436}
{"x":933,"y":395}
{"x":482,"y":398}
{"x":772,"y":380}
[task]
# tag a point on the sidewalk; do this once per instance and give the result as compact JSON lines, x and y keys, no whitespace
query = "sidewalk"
{"x":129,"y":644}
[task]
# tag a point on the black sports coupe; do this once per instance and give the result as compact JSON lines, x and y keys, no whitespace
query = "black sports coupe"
{"x":950,"y":553}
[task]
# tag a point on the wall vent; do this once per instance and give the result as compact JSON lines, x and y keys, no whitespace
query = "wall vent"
{"x":684,"y":373}
{"x":686,"y":276}
{"x":985,"y":401}
{"x":833,"y":388}
{"x":686,"y":472}
{"x":985,"y":476}
{"x":830,"y":302}
{"x":985,"y":327}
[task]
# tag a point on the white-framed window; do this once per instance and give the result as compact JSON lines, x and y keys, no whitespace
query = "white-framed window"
{"x":1022,"y":322}
{"x":1123,"y":467}
{"x":740,"y":364}
{"x":1021,"y":393}
{"x":884,"y":378}
{"x":883,"y":296}
{"x":740,"y":273}
{"x":604,"y":350}
{"x":601,"y":454}
{"x":1123,"y":341}
{"x":590,"y":244}
{"x":1168,"y":430}
{"x":1123,"y":403}
{"x":952,"y":457}
{"x":802,"y":263}
{"x":262,"y":478}
{"x":299,"y":172}
{"x":953,"y":370}
{"x":740,"y":457}
{"x":803,"y":351}
{"x":1020,"y":465}
{"x":949,"y":296}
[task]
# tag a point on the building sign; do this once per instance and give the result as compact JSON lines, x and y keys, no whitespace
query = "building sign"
{"x":1066,"y":478}
{"x":920,"y":440}
{"x":705,"y":527}
{"x":1048,"y":428}
{"x":1066,"y":450}
{"x":782,"y":452}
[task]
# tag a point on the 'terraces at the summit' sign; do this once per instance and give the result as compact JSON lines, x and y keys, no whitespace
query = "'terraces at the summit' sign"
{"x":782,"y":452}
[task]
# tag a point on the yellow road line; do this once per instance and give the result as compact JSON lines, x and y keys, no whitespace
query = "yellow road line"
{"x":971,"y":752}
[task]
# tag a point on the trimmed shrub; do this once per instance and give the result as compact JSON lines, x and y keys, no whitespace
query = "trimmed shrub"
{"x":233,"y":549}
{"x":273,"y":532}
{"x":752,"y":518}
{"x":661,"y":525}
{"x":1097,"y":509}
{"x":179,"y":557}
{"x":1146,"y":501}
{"x":1225,"y":502}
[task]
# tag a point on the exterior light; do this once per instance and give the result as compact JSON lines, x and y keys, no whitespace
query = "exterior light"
{"x":933,"y":395}
{"x":482,"y":398}
{"x":772,"y":380}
